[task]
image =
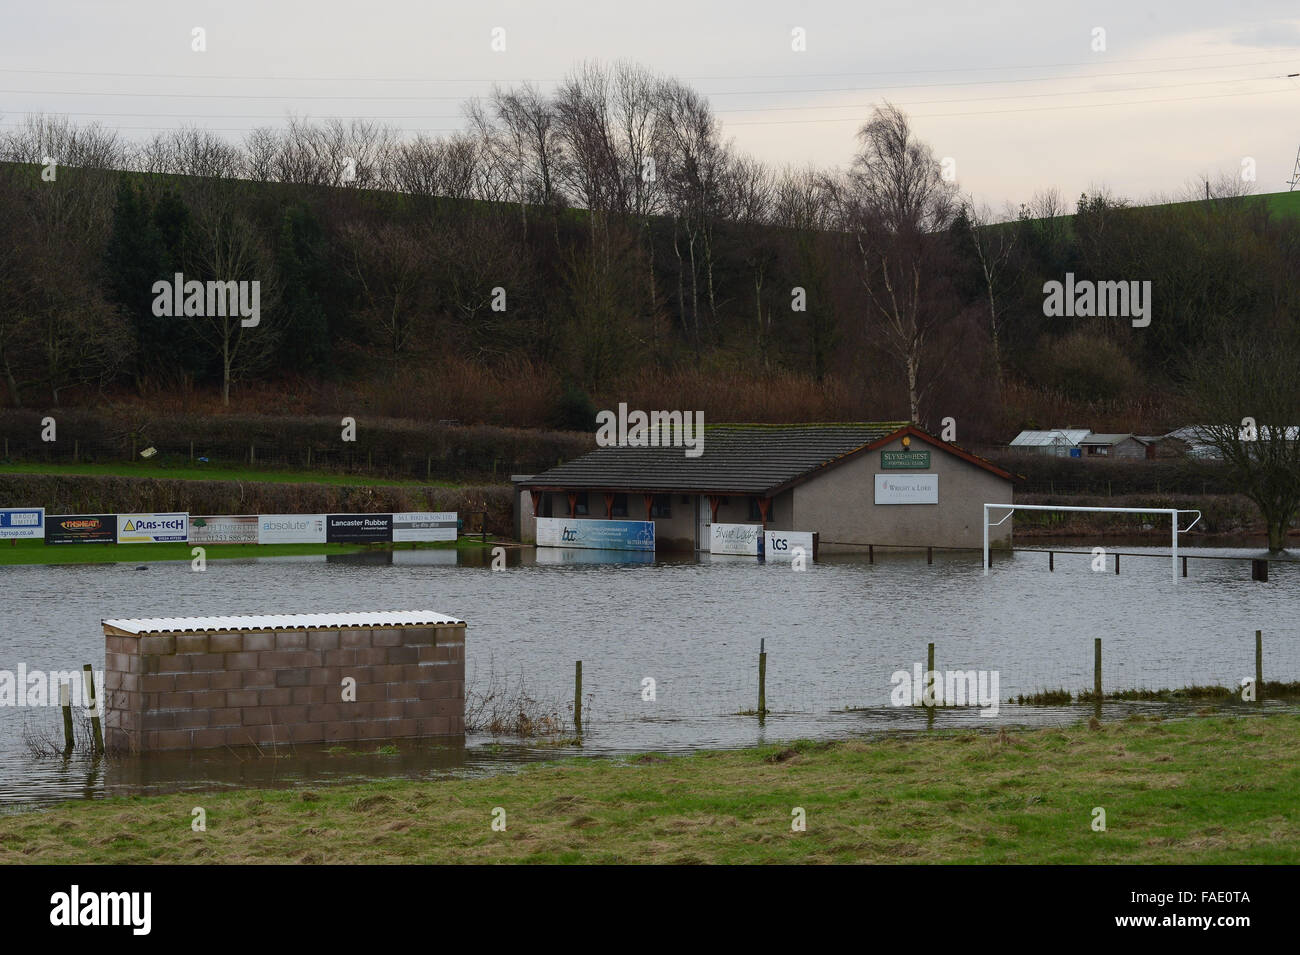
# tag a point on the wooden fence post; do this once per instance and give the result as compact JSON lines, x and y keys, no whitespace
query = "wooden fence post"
{"x":92,"y":705}
{"x":577,"y":697}
{"x":1259,"y":666}
{"x":762,"y":678}
{"x":65,"y":701}
{"x":1096,"y":669}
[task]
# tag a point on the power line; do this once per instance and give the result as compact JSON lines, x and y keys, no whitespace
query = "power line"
{"x":737,"y":109}
{"x":780,"y":92}
{"x":732,"y":76}
{"x":843,"y":119}
{"x":1028,"y":109}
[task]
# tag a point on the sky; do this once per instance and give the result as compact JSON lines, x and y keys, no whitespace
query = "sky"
{"x":1021,"y":96}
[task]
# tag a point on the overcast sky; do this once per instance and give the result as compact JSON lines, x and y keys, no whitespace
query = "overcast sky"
{"x":1012,"y":91}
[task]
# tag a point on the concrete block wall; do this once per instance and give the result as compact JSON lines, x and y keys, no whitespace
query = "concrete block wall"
{"x":173,"y":691}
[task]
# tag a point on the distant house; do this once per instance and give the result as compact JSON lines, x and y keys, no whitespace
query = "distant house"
{"x":1113,"y":446}
{"x":1195,"y":440}
{"x":1059,"y":442}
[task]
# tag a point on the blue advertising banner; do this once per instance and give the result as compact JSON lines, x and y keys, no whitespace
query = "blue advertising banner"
{"x":22,"y":522}
{"x":595,"y":535}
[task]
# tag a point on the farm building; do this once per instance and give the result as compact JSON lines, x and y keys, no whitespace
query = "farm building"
{"x":853,"y":484}
{"x":1113,"y":446}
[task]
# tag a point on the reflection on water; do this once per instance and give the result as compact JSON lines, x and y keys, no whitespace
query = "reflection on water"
{"x":834,"y":634}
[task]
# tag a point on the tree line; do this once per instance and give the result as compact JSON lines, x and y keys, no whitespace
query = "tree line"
{"x":602,"y":232}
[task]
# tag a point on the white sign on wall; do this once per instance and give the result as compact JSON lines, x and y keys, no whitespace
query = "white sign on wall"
{"x":291,"y":528}
{"x":735,"y":538}
{"x":907,"y":489}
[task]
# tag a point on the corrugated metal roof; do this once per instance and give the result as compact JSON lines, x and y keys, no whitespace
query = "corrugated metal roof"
{"x":1105,"y":438}
{"x":283,"y":621}
{"x":742,"y":459}
{"x":1058,"y":437}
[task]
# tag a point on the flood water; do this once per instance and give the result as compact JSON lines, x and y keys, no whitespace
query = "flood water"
{"x":834,"y":635}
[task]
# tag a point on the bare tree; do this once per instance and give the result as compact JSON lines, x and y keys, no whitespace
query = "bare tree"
{"x":229,"y":249}
{"x":1248,"y":400}
{"x":994,"y":244}
{"x":896,"y":204}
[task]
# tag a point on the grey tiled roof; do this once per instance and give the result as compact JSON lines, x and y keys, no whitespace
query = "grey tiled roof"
{"x":744,"y":459}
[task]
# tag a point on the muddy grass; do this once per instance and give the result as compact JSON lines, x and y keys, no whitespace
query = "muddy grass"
{"x":1202,"y":790}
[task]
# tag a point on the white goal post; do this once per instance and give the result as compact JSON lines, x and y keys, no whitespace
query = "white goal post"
{"x":1173,"y":512}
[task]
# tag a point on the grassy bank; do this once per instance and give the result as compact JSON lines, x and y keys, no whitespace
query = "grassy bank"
{"x":1210,"y":790}
{"x":37,"y":552}
{"x":142,"y":469}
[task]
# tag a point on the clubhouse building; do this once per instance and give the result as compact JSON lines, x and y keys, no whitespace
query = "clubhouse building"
{"x":855,"y":485}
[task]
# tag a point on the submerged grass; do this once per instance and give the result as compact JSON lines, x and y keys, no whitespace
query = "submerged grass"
{"x":1211,"y":790}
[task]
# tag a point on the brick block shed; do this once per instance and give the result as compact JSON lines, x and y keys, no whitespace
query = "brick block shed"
{"x":198,"y":682}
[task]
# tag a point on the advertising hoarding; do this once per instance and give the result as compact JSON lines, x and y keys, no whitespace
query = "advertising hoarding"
{"x":907,"y":489}
{"x":778,"y":544}
{"x":744,"y":539}
{"x":291,"y":528}
{"x":153,"y":528}
{"x":358,"y":528}
{"x":223,"y":528}
{"x":22,"y":523}
{"x":425,"y":526}
{"x":80,"y":528}
{"x":598,"y":535}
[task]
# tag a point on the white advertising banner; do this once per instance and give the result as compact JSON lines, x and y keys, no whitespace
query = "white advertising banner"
{"x":22,"y":523}
{"x":223,"y":528}
{"x":783,"y":544}
{"x":907,"y":489}
{"x":152,"y":528}
{"x":425,"y":526}
{"x":735,"y":539}
{"x":291,"y":528}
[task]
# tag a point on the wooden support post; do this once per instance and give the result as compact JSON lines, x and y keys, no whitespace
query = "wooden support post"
{"x":1096,"y":669}
{"x":762,"y":678}
{"x":65,"y":701}
{"x":929,"y":555}
{"x":929,"y":676}
{"x":577,"y":697}
{"x":1259,"y":666}
{"x":92,"y":705}
{"x":1051,"y":561}
{"x":1259,"y":570}
{"x":485,"y":517}
{"x":252,"y":454}
{"x":871,"y":553}
{"x":1117,"y":565}
{"x":1184,"y":565}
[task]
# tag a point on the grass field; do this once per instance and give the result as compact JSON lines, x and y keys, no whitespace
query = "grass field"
{"x":1204,"y":790}
{"x":146,"y":469}
{"x":38,"y":552}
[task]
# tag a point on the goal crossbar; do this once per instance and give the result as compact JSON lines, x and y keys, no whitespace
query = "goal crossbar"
{"x":1173,"y":512}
